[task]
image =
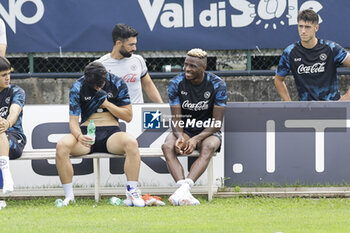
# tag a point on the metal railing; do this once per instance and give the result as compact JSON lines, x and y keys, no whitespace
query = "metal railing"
{"x":222,"y":62}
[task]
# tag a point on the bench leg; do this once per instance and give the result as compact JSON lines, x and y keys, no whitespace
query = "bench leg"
{"x":97,"y":178}
{"x":210,"y":179}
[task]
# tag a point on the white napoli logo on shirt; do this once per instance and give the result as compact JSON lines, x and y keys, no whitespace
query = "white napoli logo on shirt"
{"x":323,"y":57}
{"x":315,"y":68}
{"x":7,"y":100}
{"x":207,"y":94}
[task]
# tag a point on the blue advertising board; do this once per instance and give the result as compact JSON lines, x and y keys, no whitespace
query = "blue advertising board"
{"x":86,"y":25}
{"x":281,"y":143}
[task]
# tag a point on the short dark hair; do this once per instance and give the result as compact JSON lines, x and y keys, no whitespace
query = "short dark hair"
{"x":308,"y":16}
{"x":122,"y":32}
{"x":95,"y":74}
{"x":4,"y":64}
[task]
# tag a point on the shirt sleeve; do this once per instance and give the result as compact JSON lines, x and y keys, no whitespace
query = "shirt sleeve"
{"x":74,"y":100}
{"x":340,"y":54}
{"x":19,"y":96}
{"x":173,"y":88}
{"x":221,"y":93}
{"x":123,"y":93}
{"x":283,"y":67}
{"x":144,"y":69}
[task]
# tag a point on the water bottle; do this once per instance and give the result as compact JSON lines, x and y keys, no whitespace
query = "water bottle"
{"x":2,"y":204}
{"x":59,"y":203}
{"x":115,"y":201}
{"x":91,"y":129}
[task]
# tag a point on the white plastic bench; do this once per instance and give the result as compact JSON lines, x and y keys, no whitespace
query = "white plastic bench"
{"x":38,"y":154}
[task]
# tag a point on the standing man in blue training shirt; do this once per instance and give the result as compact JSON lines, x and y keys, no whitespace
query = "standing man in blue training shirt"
{"x":103,"y":98}
{"x":313,"y":63}
{"x":195,"y":97}
{"x":12,"y":138}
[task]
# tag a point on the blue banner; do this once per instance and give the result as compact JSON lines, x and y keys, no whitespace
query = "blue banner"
{"x":86,"y":25}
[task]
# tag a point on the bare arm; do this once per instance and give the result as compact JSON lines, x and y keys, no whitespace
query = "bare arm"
{"x":74,"y":126}
{"x":3,"y":39}
{"x":177,"y":129}
{"x":76,"y":131}
{"x":150,"y":89}
{"x":347,"y":94}
{"x":282,"y":88}
{"x":122,"y":112}
{"x":3,"y":49}
{"x":176,"y":119}
{"x":11,"y":119}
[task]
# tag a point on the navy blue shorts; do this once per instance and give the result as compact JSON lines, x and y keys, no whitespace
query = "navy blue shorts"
{"x":102,"y":135}
{"x":16,"y":143}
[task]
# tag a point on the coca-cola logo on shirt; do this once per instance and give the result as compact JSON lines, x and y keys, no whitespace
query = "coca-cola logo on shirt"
{"x":201,"y":105}
{"x":315,"y":68}
{"x":130,"y":78}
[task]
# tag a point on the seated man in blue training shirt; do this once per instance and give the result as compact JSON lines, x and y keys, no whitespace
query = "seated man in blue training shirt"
{"x":313,"y":63}
{"x":197,"y":100}
{"x":103,"y":98}
{"x":12,"y":138}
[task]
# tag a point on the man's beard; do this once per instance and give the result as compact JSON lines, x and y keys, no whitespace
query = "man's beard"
{"x":124,"y":53}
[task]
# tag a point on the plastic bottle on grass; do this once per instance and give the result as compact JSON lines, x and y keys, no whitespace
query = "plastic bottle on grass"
{"x":91,"y":129}
{"x":2,"y":204}
{"x":115,"y":201}
{"x":59,"y":203}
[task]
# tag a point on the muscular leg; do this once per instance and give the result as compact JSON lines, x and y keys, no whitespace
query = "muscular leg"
{"x":120,"y":143}
{"x":66,"y":146}
{"x":4,"y":145}
{"x":207,"y":149}
{"x":173,"y":163}
{"x":124,"y":143}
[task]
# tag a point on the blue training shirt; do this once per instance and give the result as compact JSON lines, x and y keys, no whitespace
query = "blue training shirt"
{"x":13,"y":95}
{"x":85,"y":100}
{"x":314,"y":70}
{"x":197,"y":101}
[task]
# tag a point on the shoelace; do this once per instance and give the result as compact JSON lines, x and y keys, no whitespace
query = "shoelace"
{"x":135,"y":194}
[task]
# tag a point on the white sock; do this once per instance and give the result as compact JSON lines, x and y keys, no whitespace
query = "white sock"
{"x":6,"y":175}
{"x":132,"y":184}
{"x":180,"y":182}
{"x":68,"y":191}
{"x":189,"y":182}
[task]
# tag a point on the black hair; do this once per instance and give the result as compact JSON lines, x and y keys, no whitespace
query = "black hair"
{"x":122,"y":32}
{"x":308,"y":16}
{"x":95,"y":74}
{"x":4,"y":64}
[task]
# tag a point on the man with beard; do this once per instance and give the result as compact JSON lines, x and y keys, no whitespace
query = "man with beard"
{"x":131,"y":67}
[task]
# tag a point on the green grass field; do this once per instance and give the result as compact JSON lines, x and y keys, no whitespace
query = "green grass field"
{"x":237,"y":214}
